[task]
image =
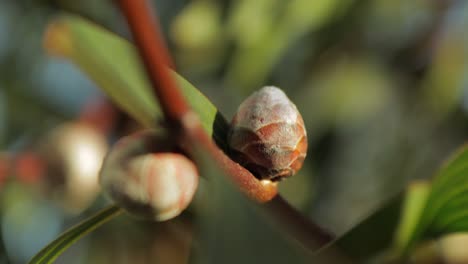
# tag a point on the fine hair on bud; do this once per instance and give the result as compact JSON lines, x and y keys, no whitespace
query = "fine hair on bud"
{"x":148,"y":176}
{"x":268,"y":136}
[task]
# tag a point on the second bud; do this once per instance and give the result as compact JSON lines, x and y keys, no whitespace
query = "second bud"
{"x":147,"y":176}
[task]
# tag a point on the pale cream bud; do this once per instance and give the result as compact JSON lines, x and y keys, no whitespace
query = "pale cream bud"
{"x":151,"y":185}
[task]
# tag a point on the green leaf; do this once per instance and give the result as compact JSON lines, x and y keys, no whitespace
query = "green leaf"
{"x":261,"y":44}
{"x":374,"y":233}
{"x":426,"y":210}
{"x":446,"y":210}
{"x":414,"y":204}
{"x":56,"y":247}
{"x":113,"y":64}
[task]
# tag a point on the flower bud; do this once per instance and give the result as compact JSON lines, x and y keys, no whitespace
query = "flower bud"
{"x":151,"y":185}
{"x":72,"y":154}
{"x":453,"y":247}
{"x":267,"y":135}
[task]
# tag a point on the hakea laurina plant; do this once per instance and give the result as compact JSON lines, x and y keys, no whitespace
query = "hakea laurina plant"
{"x":429,"y":208}
{"x":137,"y":168}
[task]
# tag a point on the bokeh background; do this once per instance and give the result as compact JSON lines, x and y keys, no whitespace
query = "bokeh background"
{"x":382,"y":86}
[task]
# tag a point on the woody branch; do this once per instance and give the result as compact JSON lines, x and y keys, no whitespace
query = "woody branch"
{"x":184,"y":123}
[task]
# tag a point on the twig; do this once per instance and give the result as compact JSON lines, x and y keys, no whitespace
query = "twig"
{"x":155,"y":57}
{"x":182,"y":120}
{"x":177,"y":112}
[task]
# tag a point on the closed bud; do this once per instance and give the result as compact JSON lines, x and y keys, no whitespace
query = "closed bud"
{"x":156,"y":185}
{"x":267,"y":135}
{"x":453,"y":248}
{"x":71,"y":155}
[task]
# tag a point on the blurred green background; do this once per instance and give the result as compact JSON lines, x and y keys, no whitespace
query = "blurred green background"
{"x":382,"y":86}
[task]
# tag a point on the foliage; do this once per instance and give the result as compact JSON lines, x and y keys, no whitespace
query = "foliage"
{"x":380,"y":84}
{"x":428,"y":209}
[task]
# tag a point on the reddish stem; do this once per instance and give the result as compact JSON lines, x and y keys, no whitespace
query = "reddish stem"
{"x":155,"y":57}
{"x":177,"y":112}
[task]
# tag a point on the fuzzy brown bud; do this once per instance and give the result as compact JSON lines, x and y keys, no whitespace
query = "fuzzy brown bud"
{"x":267,"y":135}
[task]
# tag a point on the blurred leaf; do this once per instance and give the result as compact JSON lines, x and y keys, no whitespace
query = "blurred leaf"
{"x":250,"y":21}
{"x":251,"y":65}
{"x":303,"y":15}
{"x":443,"y":86}
{"x":374,"y":234}
{"x":197,"y":26}
{"x":54,"y":249}
{"x":346,"y":92}
{"x":198,"y":37}
{"x":412,"y":209}
{"x":119,"y":73}
{"x":428,"y":210}
{"x":114,"y":65}
{"x":395,"y":24}
{"x":108,"y":60}
{"x":446,"y":210}
{"x":263,"y":38}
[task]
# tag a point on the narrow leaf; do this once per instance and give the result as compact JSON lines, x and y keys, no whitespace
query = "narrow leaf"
{"x":414,"y":204}
{"x":113,"y":63}
{"x":374,"y":234}
{"x":446,"y":210}
{"x":56,"y":247}
{"x":426,"y":210}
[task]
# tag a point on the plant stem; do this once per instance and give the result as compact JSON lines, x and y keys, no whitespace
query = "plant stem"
{"x":184,"y":122}
{"x":155,"y":57}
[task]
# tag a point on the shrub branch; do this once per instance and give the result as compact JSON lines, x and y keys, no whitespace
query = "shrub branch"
{"x":184,"y":123}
